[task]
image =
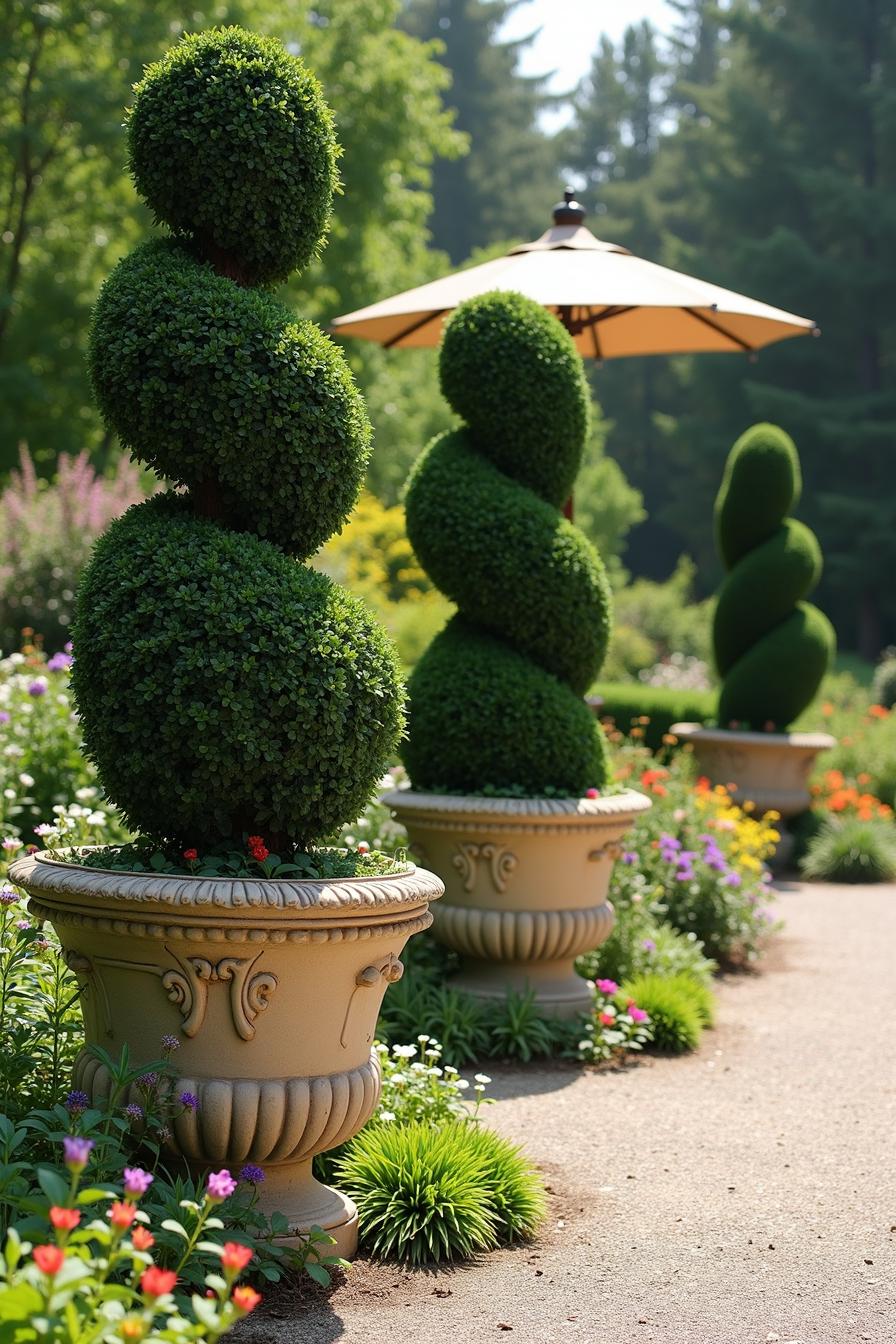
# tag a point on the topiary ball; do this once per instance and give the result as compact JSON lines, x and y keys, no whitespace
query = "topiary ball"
{"x":225,"y":688}
{"x":540,"y":739}
{"x":883,"y":687}
{"x":232,"y":145}
{"x":209,"y":382}
{"x":512,"y":373}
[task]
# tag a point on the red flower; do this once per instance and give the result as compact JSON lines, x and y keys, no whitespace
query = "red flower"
{"x":142,"y":1239}
{"x":122,"y":1214}
{"x":49,"y":1259}
{"x":191,"y":855}
{"x":156,"y":1282}
{"x":235,"y":1257}
{"x":257,"y":848}
{"x":66,"y":1219}
{"x":606,"y":1019}
{"x":245,"y":1299}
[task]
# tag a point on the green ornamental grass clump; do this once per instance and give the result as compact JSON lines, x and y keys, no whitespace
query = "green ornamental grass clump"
{"x":429,"y":1193}
{"x":677,"y":1007}
{"x":852,"y":850}
{"x":496,"y":701}
{"x":771,"y":647}
{"x":224,"y":687}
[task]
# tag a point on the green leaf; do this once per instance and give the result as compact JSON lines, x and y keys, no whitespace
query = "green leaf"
{"x":53,"y":1185}
{"x":318,"y":1273}
{"x":172,"y":1225}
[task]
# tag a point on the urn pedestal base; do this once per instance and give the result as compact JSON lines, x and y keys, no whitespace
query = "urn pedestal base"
{"x":263,"y":994}
{"x":526,"y":886}
{"x":770,"y":770}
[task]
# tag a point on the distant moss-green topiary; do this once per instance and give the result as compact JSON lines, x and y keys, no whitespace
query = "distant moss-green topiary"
{"x":771,"y":648}
{"x":232,"y":145}
{"x":224,"y":688}
{"x":883,"y":687}
{"x":496,"y":700}
{"x":217,"y":386}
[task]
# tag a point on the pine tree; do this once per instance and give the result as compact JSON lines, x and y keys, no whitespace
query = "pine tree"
{"x":504,"y":187}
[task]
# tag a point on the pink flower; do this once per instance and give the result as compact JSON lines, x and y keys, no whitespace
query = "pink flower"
{"x":607,"y":986}
{"x":221,"y":1185}
{"x":592,"y":793}
{"x":636,"y":1014}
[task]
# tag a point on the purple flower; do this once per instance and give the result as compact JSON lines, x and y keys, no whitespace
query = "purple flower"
{"x":22,"y":924}
{"x":148,"y":1081}
{"x":685,"y":874}
{"x":68,"y":647}
{"x":4,"y":717}
{"x":733,"y":879}
{"x":60,"y":662}
{"x":136,"y":1182}
{"x":170,"y":1042}
{"x":8,"y":898}
{"x":649,"y":945}
{"x":669,"y":842}
{"x":189,"y":1100}
{"x":607,"y":986}
{"x":637,"y":1014}
{"x":221,"y":1185}
{"x":252,"y":1174}
{"x":133,"y":1111}
{"x":77,"y":1152}
{"x":629,"y":856}
{"x":37,"y":688}
{"x":76,"y":1102}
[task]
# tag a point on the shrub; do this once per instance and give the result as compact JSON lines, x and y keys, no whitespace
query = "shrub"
{"x":771,"y":648}
{"x":516,"y":1029}
{"x":496,"y":699}
{"x":883,"y":687}
{"x":616,"y":1027}
{"x":640,"y":943}
{"x":429,"y":1193}
{"x":46,"y":532}
{"x":653,"y":620}
{"x":852,"y":850}
{"x":676,"y":1021}
{"x":224,"y":688}
{"x":629,"y":704}
{"x":232,"y":146}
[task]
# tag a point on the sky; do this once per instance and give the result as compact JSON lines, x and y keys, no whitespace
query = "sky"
{"x":570,"y":30}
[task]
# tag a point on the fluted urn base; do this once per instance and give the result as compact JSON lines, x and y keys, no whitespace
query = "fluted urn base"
{"x":272,"y":989}
{"x":770,"y":770}
{"x":526,"y":884}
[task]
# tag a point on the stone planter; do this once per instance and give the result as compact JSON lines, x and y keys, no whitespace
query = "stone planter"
{"x":525,"y":885}
{"x":273,"y":988}
{"x":768,"y":769}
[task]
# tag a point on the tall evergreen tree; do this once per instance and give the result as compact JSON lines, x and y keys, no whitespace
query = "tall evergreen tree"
{"x":795,"y":194}
{"x":504,"y":187}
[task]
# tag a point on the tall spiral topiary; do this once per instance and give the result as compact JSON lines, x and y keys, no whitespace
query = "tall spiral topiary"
{"x":225,"y":687}
{"x":496,"y":700}
{"x":771,"y":648}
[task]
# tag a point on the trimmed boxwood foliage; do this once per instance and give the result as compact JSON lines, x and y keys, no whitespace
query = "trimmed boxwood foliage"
{"x":495,"y":702}
{"x":209,"y":382}
{"x":232,"y":146}
{"x":771,"y":648}
{"x":224,"y":688}
{"x":625,"y":702}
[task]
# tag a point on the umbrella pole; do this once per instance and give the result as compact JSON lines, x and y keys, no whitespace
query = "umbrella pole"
{"x":565,"y":315}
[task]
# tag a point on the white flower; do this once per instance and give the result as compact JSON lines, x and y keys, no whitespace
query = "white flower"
{"x":13,"y":750}
{"x":96,"y":819}
{"x":350,"y":841}
{"x":11,"y":845}
{"x":387,"y":1115}
{"x":85,"y":795}
{"x":9,"y":793}
{"x":45,"y":829}
{"x":482,"y":1078}
{"x":58,"y":808}
{"x":16,"y":659}
{"x":434,"y":1072}
{"x":404,"y":1051}
{"x":26,"y":780}
{"x":462,"y":1084}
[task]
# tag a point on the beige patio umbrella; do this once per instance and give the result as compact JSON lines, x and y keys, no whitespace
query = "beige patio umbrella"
{"x":614,"y":304}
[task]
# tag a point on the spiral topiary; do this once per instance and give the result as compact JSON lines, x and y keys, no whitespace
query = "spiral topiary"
{"x":225,"y":688}
{"x":496,"y":700}
{"x":771,"y":648}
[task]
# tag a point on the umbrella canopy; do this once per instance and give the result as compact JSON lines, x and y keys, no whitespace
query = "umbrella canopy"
{"x":613,"y":303}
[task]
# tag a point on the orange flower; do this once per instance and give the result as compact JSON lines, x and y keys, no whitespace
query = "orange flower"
{"x":235,"y":1257}
{"x":64,"y":1219}
{"x":703,"y":785}
{"x":827,"y":709}
{"x":142,"y":1238}
{"x":49,"y":1259}
{"x":877,"y":712}
{"x":122,"y":1214}
{"x":155,"y":1282}
{"x":245,"y":1299}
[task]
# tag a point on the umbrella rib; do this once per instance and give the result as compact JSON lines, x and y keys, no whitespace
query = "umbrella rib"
{"x":716,"y":326}
{"x":415,"y":326}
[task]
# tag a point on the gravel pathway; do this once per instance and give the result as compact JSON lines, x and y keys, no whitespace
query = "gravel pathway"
{"x":742,"y":1195}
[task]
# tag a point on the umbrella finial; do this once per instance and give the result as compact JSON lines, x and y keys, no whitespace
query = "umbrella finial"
{"x":569,"y":211}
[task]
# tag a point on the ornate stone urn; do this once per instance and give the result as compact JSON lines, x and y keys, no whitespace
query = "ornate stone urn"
{"x":768,"y":769}
{"x":273,"y":988}
{"x":525,"y":885}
